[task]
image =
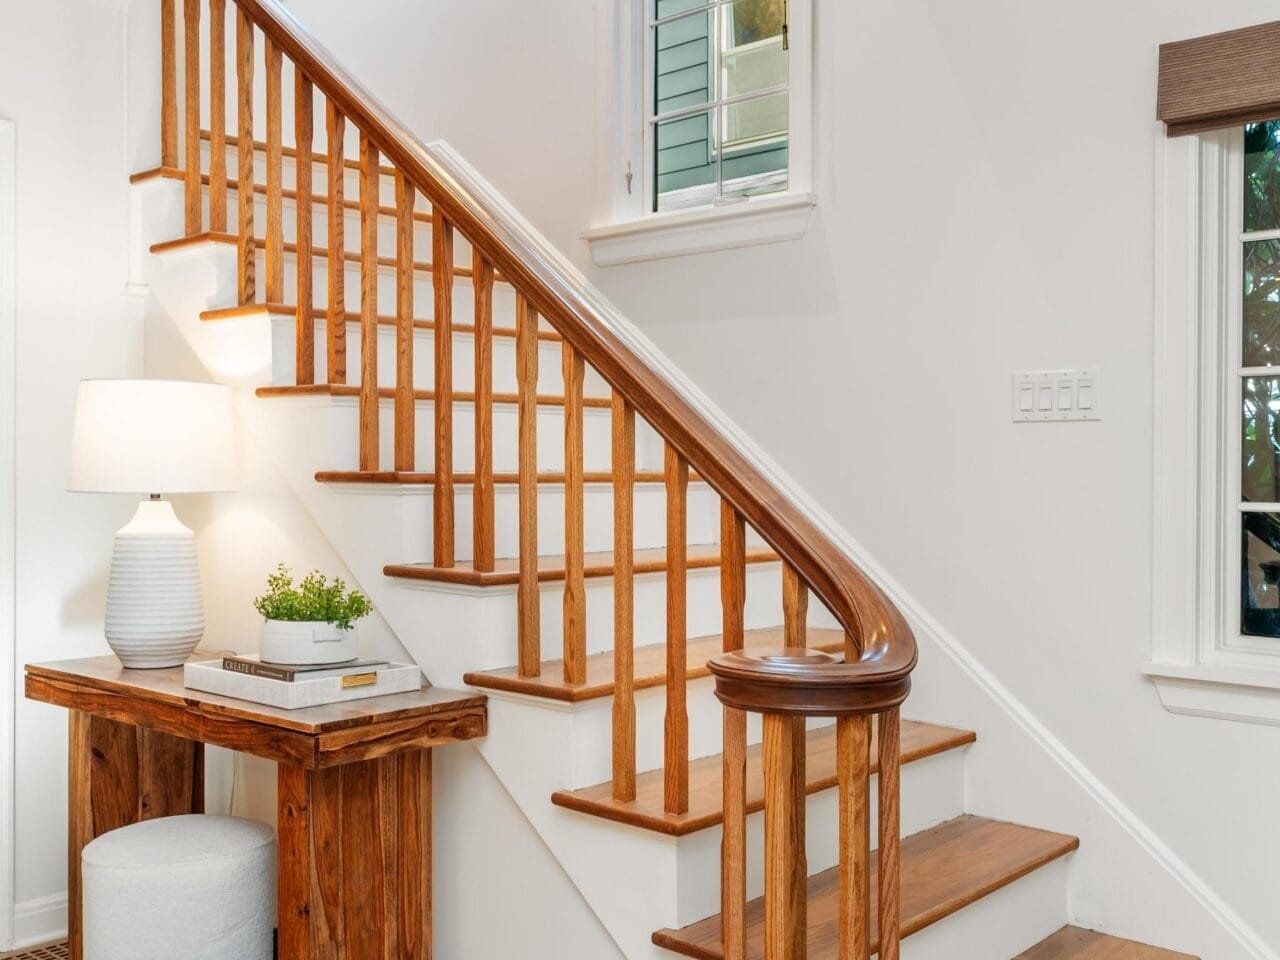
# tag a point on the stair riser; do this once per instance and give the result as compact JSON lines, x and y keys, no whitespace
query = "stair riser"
{"x":319,"y":171}
{"x":503,"y":367}
{"x":402,"y":516}
{"x":334,"y":428}
{"x":488,"y":614}
{"x":1001,"y":924}
{"x":932,"y":792}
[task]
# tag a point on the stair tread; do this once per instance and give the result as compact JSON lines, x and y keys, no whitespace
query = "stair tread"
{"x":706,"y":780}
{"x":506,"y":571}
{"x":375,"y":477}
{"x":1074,"y":943}
{"x":943,"y":870}
{"x":387,"y":393}
{"x":650,"y":666}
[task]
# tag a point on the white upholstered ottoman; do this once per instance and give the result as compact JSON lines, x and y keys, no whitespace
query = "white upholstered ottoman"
{"x":181,"y":888}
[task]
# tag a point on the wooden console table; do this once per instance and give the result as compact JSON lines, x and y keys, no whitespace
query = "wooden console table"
{"x":354,"y":805}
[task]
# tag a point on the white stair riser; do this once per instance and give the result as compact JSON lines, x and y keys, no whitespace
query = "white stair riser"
{"x":401,"y":517}
{"x":333,"y":428}
{"x":503,"y":366}
{"x":1002,"y":924}
{"x":932,"y":791}
{"x":487,"y":615}
{"x":319,"y":171}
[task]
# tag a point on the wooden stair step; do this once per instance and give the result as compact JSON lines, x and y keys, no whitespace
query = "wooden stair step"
{"x":706,"y":780}
{"x":353,"y":317}
{"x":1073,"y":943}
{"x":386,"y":393}
{"x":943,"y":870}
{"x":506,"y":571}
{"x":650,"y":667}
{"x":375,"y":477}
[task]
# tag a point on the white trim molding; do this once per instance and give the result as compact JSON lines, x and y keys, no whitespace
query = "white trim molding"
{"x":40,"y":921}
{"x":765,"y":219}
{"x":8,"y":639}
{"x":1200,"y":664}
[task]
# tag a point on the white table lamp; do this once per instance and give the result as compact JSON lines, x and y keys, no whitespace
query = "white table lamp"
{"x":153,"y":437}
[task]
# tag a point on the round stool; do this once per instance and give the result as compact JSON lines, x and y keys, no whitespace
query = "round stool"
{"x":180,"y":888}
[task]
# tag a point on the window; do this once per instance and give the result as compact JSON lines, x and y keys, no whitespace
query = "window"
{"x":719,"y":83}
{"x":1216,"y":596}
{"x":711,"y":119}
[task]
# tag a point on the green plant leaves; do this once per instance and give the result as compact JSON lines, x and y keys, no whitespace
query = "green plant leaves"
{"x":316,"y":599}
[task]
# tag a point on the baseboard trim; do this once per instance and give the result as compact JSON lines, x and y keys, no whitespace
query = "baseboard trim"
{"x":38,"y":921}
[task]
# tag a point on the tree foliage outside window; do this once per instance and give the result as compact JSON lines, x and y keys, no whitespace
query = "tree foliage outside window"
{"x":757,"y":20}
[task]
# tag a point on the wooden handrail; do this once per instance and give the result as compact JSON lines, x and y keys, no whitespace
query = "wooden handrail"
{"x":883,"y":647}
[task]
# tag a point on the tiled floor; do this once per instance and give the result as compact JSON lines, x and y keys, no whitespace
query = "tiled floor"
{"x":52,"y":951}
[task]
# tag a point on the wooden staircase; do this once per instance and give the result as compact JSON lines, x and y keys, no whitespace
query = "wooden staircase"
{"x":828,"y":678}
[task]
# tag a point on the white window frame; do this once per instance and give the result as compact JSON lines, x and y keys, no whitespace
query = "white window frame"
{"x":1200,"y":662}
{"x":628,"y":230}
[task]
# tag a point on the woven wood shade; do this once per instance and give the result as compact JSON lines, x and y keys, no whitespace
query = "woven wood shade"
{"x":1220,"y":81}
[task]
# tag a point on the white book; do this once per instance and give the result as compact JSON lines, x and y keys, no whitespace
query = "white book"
{"x":210,"y":677}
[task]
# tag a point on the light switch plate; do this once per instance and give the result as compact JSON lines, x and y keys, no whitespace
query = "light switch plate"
{"x":1043,"y":396}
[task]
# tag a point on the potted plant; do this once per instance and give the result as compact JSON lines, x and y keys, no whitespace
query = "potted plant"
{"x":313,"y":622}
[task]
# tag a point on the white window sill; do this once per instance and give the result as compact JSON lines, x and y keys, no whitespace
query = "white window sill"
{"x":758,"y":220}
{"x":1225,"y":692}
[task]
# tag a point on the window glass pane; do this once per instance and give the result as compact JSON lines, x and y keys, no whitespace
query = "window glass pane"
{"x":669,"y":8}
{"x":1260,"y":443}
{"x":682,"y":53}
{"x":1262,"y":176}
{"x":754,"y":134}
{"x":752,"y":57}
{"x":684,"y":161}
{"x":1260,"y":575}
{"x":1261,"y":303}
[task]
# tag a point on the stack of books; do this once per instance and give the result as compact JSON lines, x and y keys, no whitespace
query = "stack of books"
{"x":293,"y":687}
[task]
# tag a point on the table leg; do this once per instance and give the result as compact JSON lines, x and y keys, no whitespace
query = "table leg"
{"x":355,"y":860}
{"x":121,"y":774}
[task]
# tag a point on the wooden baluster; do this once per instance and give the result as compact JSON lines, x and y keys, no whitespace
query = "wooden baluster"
{"x":795,"y":607}
{"x":305,"y":328}
{"x":369,"y":178}
{"x":247,"y":257}
{"x":405,"y":413}
{"x":853,"y":744}
{"x":191,"y":24}
{"x":482,"y":551}
{"x":624,"y":671}
{"x":575,"y":589}
{"x":442,"y":283}
{"x":733,"y":846}
{"x":527,"y":598}
{"x":890,"y":735}
{"x":275,"y":173}
{"x":676,"y":725}
{"x":336,"y":315}
{"x":168,"y":84}
{"x":218,"y":116}
{"x":785,"y":863}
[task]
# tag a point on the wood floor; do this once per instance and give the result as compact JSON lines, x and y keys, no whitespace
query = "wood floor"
{"x":1072,"y":943}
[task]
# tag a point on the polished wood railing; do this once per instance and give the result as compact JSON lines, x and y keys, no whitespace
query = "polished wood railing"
{"x":548,"y":303}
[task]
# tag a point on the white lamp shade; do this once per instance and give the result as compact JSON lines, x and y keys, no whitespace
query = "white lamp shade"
{"x":152,"y":436}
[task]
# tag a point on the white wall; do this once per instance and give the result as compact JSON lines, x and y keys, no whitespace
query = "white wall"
{"x":985,"y":173}
{"x":62,"y":76}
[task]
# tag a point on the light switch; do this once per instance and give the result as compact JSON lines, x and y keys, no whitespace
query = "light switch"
{"x":1045,"y":395}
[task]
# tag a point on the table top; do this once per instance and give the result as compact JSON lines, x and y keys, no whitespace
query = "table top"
{"x":326,"y":734}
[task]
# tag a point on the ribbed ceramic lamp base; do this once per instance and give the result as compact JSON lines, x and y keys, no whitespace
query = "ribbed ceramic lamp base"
{"x":155,"y":611}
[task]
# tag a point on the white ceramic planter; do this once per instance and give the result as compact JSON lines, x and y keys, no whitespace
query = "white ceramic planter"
{"x":306,"y":642}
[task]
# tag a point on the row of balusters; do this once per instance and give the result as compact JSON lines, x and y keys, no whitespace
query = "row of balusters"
{"x":784,"y":736}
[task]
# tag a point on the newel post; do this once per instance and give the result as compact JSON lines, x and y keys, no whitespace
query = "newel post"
{"x":786,"y":687}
